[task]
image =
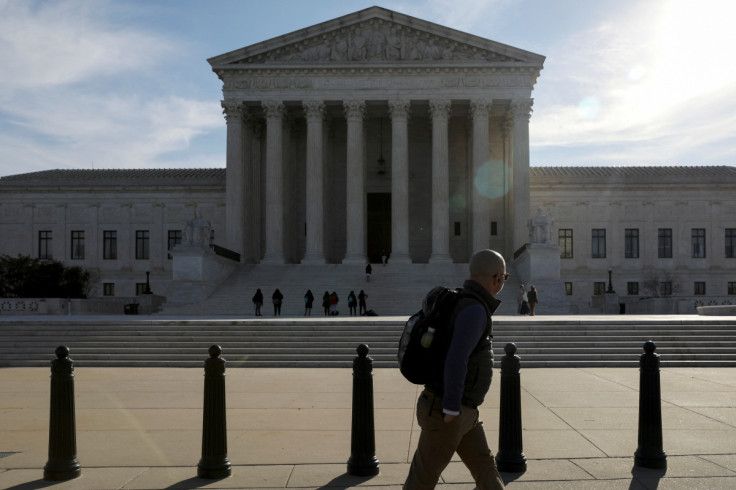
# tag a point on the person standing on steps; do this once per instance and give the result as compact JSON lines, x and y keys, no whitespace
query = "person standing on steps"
{"x":361,"y":302}
{"x":368,"y":271}
{"x":308,"y":301}
{"x":447,"y":409}
{"x":523,"y":300}
{"x":533,"y":299}
{"x":333,"y":303}
{"x":277,"y":298}
{"x":258,"y":301}
{"x":352,"y":303}
{"x":326,"y":303}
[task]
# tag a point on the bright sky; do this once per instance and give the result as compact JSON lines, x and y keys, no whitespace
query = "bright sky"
{"x":125,"y":84}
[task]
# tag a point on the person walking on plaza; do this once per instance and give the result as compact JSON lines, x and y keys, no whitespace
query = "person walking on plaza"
{"x":361,"y":302}
{"x":326,"y":303}
{"x":258,"y":301}
{"x":352,"y":303}
{"x":447,"y":409}
{"x":308,"y":302}
{"x":368,"y":271}
{"x":523,"y":300}
{"x":533,"y":299}
{"x":277,"y":298}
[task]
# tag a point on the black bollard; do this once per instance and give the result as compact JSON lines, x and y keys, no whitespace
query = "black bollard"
{"x":363,"y":461}
{"x":649,"y":454}
{"x":510,"y":457}
{"x":62,"y":463}
{"x":214,"y":462}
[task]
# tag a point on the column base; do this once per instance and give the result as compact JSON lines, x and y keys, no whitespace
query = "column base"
{"x":313,"y":260}
{"x":440,"y":258}
{"x":355,"y":260}
{"x":273,"y":260}
{"x":398,"y":258}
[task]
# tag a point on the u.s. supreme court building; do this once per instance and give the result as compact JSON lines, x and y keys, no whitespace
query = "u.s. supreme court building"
{"x":379,"y":134}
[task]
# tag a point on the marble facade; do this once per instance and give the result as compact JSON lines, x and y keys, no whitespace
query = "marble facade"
{"x":310,"y":113}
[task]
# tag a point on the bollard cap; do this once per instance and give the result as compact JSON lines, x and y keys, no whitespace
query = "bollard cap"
{"x":363,"y":350}
{"x":215,"y":351}
{"x":510,"y":349}
{"x":62,"y":351}
{"x":649,"y":347}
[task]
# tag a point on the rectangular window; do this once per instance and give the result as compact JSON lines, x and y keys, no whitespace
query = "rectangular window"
{"x":631,"y":244}
{"x":108,"y":289}
{"x":568,"y":289}
{"x":731,"y":288}
{"x":632,"y":288}
{"x":77,"y":245}
{"x":665,"y":288}
{"x":699,"y":289}
{"x":457,"y":228}
{"x":109,"y":245}
{"x":564,"y":240}
{"x":730,"y":243}
{"x":599,"y":288}
{"x":599,"y":244}
{"x":141,"y":245}
{"x":698,"y":241}
{"x":494,"y":228}
{"x":44,"y":245}
{"x":664,"y":243}
{"x":140,"y":288}
{"x":174,"y":240}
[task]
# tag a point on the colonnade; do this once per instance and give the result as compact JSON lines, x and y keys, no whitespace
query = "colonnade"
{"x":239,"y":135}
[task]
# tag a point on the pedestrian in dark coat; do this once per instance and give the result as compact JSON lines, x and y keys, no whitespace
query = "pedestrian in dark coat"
{"x":326,"y":303}
{"x":308,"y":301}
{"x":277,"y":298}
{"x":352,"y":303}
{"x":361,"y":302}
{"x":258,"y":301}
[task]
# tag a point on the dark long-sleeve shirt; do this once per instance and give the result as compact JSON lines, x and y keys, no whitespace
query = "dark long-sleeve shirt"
{"x":470,"y":324}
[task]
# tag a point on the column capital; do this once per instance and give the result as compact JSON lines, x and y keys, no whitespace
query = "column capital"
{"x":522,"y":108}
{"x":233,"y":110}
{"x":440,"y":108}
{"x":274,"y":109}
{"x":314,"y":110}
{"x":399,"y":109}
{"x":354,"y":109}
{"x":480,"y":108}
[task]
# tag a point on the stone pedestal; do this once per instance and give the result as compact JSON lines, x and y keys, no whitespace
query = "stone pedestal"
{"x":539,"y":264}
{"x":197,"y":271}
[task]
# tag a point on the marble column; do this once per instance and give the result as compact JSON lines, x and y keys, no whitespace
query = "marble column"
{"x":274,"y":183}
{"x":399,"y":111}
{"x":480,"y":214}
{"x":355,"y":229}
{"x":252,"y":128}
{"x":440,"y":111}
{"x":235,"y":178}
{"x":521,"y":112}
{"x":314,"y":111}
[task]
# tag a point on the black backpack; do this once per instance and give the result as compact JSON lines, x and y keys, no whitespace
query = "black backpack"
{"x":419,"y":364}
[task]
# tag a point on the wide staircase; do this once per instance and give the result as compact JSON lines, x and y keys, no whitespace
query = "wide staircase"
{"x":395,"y":289}
{"x":332,"y":342}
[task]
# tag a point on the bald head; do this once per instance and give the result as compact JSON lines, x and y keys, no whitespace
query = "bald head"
{"x":486,"y":263}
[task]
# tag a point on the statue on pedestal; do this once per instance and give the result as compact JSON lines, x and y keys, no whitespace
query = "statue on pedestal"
{"x":540,"y":227}
{"x":197,"y":231}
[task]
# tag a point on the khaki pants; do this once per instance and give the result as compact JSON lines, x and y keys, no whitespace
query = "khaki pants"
{"x":439,"y":440}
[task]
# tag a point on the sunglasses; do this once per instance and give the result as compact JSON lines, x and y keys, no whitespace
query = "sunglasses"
{"x":505,"y":276}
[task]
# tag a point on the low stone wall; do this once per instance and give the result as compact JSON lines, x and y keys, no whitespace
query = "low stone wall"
{"x":147,"y":304}
{"x":720,"y":310}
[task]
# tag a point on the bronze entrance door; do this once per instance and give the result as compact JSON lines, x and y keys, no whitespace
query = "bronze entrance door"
{"x":378,"y":225}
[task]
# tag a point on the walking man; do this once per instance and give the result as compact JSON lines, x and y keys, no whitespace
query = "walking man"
{"x":447,"y":409}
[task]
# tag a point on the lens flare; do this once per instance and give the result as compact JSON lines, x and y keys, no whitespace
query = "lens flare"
{"x":589,"y":107}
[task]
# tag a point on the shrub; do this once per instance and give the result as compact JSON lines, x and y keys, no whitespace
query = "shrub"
{"x":26,"y":277}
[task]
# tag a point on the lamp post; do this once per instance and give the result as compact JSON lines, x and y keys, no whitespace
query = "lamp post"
{"x":610,"y":285}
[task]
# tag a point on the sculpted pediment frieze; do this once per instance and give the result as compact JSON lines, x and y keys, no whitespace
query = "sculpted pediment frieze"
{"x":375,"y":40}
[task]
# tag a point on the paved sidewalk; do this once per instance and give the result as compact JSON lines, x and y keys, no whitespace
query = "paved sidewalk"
{"x":140,"y":428}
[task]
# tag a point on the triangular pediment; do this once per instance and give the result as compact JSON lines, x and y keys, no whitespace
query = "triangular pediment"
{"x":375,"y":36}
